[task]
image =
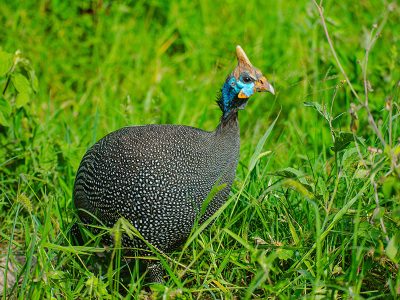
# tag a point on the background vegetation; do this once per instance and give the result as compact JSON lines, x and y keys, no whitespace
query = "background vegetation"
{"x":315,"y":209}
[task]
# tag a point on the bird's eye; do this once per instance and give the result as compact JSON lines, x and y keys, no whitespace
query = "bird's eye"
{"x":246,"y":79}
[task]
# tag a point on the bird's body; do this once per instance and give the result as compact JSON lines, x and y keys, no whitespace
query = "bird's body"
{"x":158,"y":176}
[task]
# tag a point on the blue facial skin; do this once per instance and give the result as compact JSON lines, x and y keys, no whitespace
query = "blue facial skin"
{"x":246,"y":88}
{"x":231,"y":89}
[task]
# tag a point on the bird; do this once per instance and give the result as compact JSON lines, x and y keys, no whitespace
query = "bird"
{"x":158,"y":176}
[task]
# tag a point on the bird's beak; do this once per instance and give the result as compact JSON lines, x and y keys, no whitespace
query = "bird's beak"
{"x":262,"y":85}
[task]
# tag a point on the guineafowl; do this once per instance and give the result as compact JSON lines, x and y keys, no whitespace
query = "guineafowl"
{"x":158,"y":176}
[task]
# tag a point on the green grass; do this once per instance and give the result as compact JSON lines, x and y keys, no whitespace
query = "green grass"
{"x":303,"y":220}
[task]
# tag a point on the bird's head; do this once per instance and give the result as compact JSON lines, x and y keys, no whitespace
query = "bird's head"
{"x":241,"y":84}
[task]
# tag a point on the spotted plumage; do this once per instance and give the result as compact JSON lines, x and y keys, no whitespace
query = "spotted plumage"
{"x":158,"y":176}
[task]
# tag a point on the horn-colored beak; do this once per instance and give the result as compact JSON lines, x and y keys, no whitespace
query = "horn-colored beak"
{"x":262,"y":85}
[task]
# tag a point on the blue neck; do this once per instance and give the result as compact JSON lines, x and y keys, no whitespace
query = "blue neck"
{"x":229,"y":92}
